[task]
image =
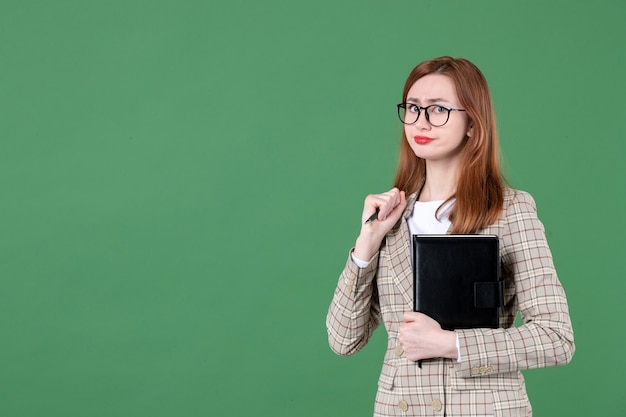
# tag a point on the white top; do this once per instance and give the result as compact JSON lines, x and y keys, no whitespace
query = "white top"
{"x":423,"y":220}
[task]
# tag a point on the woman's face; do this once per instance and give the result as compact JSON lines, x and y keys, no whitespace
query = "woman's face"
{"x":443,"y":143}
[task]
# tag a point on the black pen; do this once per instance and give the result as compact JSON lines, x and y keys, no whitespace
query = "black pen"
{"x":373,"y":216}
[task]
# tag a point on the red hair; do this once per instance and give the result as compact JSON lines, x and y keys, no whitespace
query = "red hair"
{"x":479,"y":189}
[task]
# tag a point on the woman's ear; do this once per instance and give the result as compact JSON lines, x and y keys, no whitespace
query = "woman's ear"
{"x":470,"y":130}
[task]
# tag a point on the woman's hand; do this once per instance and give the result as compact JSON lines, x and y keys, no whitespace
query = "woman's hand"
{"x":423,"y":338}
{"x":390,"y":205}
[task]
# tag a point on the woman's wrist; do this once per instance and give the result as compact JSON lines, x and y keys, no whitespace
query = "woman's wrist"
{"x":451,"y":344}
{"x":365,"y":247}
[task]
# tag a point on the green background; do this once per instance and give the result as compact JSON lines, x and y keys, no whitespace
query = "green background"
{"x":181,"y":182}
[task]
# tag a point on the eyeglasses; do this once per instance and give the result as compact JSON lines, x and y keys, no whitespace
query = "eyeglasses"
{"x":436,"y":114}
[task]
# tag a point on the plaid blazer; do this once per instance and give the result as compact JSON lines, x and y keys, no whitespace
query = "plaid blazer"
{"x":487,"y":381}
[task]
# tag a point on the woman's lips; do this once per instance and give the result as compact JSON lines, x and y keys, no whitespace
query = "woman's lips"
{"x":422,"y":140}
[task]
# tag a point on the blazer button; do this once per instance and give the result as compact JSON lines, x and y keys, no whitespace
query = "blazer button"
{"x":399,"y":350}
{"x":437,"y":406}
{"x":403,"y":405}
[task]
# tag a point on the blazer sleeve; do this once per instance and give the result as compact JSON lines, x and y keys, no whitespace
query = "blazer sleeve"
{"x":546,"y":337}
{"x":354,"y":312}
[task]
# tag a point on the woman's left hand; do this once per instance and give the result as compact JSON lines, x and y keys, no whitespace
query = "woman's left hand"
{"x":423,"y":338}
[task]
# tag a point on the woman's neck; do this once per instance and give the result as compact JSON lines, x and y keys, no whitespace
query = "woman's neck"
{"x":440,"y":183}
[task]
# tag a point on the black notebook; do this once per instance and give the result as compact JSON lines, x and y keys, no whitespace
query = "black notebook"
{"x":457,"y":280}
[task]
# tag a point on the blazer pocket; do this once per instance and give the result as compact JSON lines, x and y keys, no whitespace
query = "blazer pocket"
{"x":498,"y":382}
{"x":387,"y":375}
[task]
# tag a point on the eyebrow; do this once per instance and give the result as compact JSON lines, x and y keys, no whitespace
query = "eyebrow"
{"x":430,"y":100}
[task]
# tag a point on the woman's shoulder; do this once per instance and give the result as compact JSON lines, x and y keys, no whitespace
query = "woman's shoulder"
{"x":518,"y":199}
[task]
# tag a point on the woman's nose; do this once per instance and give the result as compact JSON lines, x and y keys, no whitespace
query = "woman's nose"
{"x":421,"y":122}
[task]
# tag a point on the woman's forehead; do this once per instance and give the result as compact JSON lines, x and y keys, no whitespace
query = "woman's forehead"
{"x":432,"y":88}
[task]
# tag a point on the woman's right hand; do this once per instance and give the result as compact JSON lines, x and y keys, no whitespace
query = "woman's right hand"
{"x":390,"y":205}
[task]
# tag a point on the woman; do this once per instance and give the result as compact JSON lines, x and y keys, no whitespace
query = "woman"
{"x":448,"y":181}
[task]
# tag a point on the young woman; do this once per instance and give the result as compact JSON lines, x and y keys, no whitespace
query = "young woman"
{"x":448,"y":181}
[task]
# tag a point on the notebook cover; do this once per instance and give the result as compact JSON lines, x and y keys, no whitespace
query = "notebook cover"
{"x":457,"y":279}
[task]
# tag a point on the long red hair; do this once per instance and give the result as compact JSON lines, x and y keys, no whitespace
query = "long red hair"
{"x":479,"y":189}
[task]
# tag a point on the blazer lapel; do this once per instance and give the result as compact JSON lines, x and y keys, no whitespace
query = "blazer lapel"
{"x":399,"y":247}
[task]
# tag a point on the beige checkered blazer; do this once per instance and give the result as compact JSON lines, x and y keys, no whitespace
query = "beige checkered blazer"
{"x":488,"y":381}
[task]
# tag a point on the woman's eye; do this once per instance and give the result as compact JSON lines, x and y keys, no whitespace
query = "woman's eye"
{"x":439,"y":109}
{"x":413,"y":108}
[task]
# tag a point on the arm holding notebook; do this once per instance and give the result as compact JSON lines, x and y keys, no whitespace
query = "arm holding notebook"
{"x":423,"y":338}
{"x":533,"y":289}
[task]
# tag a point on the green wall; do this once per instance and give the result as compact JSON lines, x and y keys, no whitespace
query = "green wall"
{"x":181,"y":182}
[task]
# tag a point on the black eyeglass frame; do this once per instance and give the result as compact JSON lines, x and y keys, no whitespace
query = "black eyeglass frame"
{"x":419,"y":112}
